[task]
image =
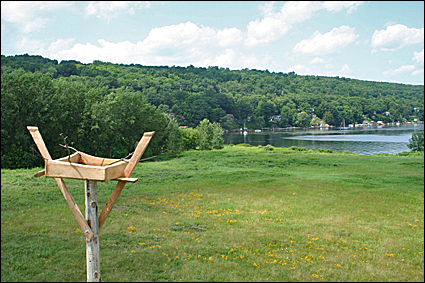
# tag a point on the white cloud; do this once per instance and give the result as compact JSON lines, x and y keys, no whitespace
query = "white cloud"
{"x":419,"y":57}
{"x":317,"y":71}
{"x":60,"y":44}
{"x":109,"y":9}
{"x":85,"y":53}
{"x":265,"y":31}
{"x":183,"y":37}
{"x":181,"y":44}
{"x":318,"y":60}
{"x":401,"y":70}
{"x":267,"y":8}
{"x":275,"y":24}
{"x":253,"y":62}
{"x":396,"y":36}
{"x":298,"y":11}
{"x":229,"y":36}
{"x":339,"y":5}
{"x":299,"y":69}
{"x":27,"y":45}
{"x":418,"y":72}
{"x":327,"y":43}
{"x":225,"y":60}
{"x":30,"y":15}
{"x":345,"y":70}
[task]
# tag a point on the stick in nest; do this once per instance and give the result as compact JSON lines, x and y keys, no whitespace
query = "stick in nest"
{"x":130,"y":154}
{"x":70,"y":147}
{"x":64,"y":139}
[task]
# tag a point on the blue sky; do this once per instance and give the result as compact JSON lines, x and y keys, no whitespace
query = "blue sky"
{"x":367,"y":40}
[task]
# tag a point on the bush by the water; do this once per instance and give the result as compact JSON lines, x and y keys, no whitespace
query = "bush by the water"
{"x":269,"y":147}
{"x":416,"y":143}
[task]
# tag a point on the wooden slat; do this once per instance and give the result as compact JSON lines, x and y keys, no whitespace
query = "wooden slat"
{"x":74,"y":158}
{"x":131,"y":180}
{"x":64,"y":169}
{"x":67,"y":195}
{"x":94,"y":160}
{"x":40,"y":173}
{"x":39,"y":142}
{"x":74,"y":208}
{"x":138,"y":152}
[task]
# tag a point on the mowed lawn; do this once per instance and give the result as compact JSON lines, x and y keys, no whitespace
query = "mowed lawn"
{"x":236,"y":214}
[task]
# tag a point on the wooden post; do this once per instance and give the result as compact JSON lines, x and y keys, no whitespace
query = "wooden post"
{"x":92,"y":246}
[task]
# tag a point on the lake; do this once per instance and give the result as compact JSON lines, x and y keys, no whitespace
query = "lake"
{"x":363,"y":140}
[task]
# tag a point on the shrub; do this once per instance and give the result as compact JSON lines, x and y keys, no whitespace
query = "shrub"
{"x":416,"y":143}
{"x":244,"y":145}
{"x":324,"y":150}
{"x":269,"y":147}
{"x":217,"y":139}
{"x":174,"y":139}
{"x":190,"y":137}
{"x":298,"y":148}
{"x":211,"y":135}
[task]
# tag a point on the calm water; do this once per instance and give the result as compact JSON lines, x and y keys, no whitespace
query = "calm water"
{"x":363,"y":140}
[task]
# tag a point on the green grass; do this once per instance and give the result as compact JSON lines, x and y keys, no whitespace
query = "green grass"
{"x":237,"y":214}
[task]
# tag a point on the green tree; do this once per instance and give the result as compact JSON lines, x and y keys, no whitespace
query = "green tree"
{"x":416,"y":143}
{"x":211,"y":135}
{"x":217,"y":140}
{"x":190,"y":138}
{"x":120,"y":119}
{"x":206,"y":134}
{"x":266,"y":109}
{"x":285,"y":116}
{"x":173,"y":136}
{"x":23,"y":95}
{"x":303,"y":120}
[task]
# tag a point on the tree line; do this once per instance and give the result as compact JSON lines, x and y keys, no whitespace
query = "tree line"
{"x":105,"y":107}
{"x":93,"y":119}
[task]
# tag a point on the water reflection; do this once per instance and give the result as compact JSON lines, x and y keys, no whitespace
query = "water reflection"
{"x":387,"y":139}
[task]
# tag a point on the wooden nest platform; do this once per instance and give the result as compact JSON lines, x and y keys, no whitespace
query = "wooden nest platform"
{"x":83,"y":166}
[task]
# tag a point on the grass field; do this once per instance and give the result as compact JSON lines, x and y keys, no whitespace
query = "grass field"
{"x":236,"y":214}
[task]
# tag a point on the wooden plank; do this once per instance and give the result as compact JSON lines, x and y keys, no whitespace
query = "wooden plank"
{"x":138,"y":152}
{"x":36,"y":136}
{"x":40,"y":173}
{"x":74,"y":208}
{"x":131,"y":180}
{"x":64,"y":169}
{"x":67,"y":195}
{"x":74,"y":158}
{"x":115,"y":170}
{"x":94,"y":160}
{"x":60,"y":169}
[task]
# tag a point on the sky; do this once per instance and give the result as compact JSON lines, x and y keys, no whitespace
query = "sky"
{"x":366,"y":40}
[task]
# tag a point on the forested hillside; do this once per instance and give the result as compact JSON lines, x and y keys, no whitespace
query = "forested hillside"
{"x":104,"y":106}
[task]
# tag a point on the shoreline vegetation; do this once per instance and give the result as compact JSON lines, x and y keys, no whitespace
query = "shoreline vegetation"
{"x":351,"y":126}
{"x":240,"y":213}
